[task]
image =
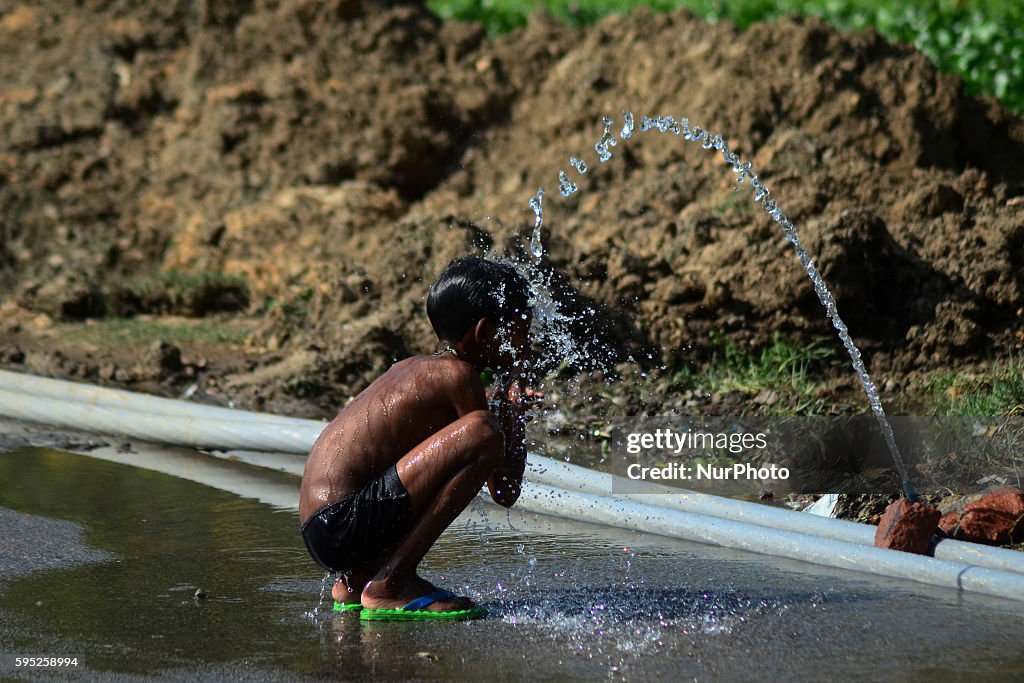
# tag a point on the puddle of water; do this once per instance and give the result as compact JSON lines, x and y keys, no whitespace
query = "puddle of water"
{"x":567,"y":600}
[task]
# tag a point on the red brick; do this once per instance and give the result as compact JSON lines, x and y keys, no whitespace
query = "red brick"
{"x":907,"y":527}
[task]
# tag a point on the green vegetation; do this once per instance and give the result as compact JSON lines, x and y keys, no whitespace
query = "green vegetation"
{"x":183,"y":292}
{"x":981,"y":41}
{"x":111,"y":332}
{"x":295,"y":306}
{"x":787,"y":369}
{"x":998,"y":393}
{"x":796,"y":374}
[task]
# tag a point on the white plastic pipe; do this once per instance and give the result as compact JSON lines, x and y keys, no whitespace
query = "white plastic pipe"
{"x":168,"y":429}
{"x":181,"y":423}
{"x":274,"y":490}
{"x":118,"y":399}
{"x":759,"y":539}
{"x":576,"y":478}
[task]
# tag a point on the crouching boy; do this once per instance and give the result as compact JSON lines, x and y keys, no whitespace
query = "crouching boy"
{"x":401,"y":461}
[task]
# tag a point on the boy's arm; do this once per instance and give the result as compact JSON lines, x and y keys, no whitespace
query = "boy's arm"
{"x":468,"y":395}
{"x":505,"y":483}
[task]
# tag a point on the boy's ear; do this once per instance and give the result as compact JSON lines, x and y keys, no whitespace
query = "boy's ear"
{"x":484,"y":331}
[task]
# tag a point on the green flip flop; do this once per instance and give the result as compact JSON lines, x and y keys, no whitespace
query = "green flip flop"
{"x":347,"y":606}
{"x":415,"y":611}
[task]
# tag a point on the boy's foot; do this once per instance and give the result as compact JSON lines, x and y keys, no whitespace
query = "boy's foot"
{"x":377,"y":595}
{"x":347,"y":589}
{"x":342,"y":595}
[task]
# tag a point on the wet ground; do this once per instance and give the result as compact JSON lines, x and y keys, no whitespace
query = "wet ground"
{"x":104,"y":561}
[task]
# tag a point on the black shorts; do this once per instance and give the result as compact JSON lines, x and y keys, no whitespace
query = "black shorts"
{"x":358,"y":529}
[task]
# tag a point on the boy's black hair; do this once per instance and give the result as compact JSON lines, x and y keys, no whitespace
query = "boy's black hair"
{"x":473,"y":288}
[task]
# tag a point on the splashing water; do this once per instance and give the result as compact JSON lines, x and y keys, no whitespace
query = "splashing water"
{"x":664,"y":124}
{"x":607,"y":140}
{"x":538,"y":212}
{"x":551,"y":328}
{"x":565,"y":186}
{"x":312,"y":614}
{"x":578,"y":164}
{"x":627,"y":125}
{"x":761,"y":195}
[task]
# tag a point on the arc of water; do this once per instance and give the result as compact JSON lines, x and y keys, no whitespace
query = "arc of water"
{"x":536,"y":203}
{"x":761,"y":195}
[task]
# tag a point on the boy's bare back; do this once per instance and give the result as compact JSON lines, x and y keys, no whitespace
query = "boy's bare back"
{"x":413,"y":400}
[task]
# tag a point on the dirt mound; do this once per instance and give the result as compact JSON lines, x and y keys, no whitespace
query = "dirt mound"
{"x":337,"y":154}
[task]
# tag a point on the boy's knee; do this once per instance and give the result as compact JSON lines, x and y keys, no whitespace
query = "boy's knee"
{"x":486,"y":430}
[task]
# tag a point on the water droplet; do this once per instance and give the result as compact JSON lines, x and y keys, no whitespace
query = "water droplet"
{"x":607,"y":140}
{"x":536,"y":203}
{"x":565,"y":186}
{"x":627,"y":125}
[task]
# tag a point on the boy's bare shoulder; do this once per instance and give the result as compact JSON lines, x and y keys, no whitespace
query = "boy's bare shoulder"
{"x":443,"y":368}
{"x":444,"y":375}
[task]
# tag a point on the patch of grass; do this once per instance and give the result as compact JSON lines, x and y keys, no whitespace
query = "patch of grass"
{"x":984,"y":433}
{"x":129,"y":332}
{"x":982,"y":40}
{"x":785,"y":367}
{"x":296,"y":306}
{"x":997,"y":394}
{"x":193,"y":293}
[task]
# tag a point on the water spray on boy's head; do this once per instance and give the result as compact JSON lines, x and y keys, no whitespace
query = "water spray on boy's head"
{"x":480,"y":310}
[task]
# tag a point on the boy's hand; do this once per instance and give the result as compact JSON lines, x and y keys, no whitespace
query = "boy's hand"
{"x":523,"y":398}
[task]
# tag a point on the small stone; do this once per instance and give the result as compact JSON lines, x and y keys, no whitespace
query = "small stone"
{"x":907,"y":526}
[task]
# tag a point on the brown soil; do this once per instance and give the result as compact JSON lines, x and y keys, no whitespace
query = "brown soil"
{"x":338,"y":154}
